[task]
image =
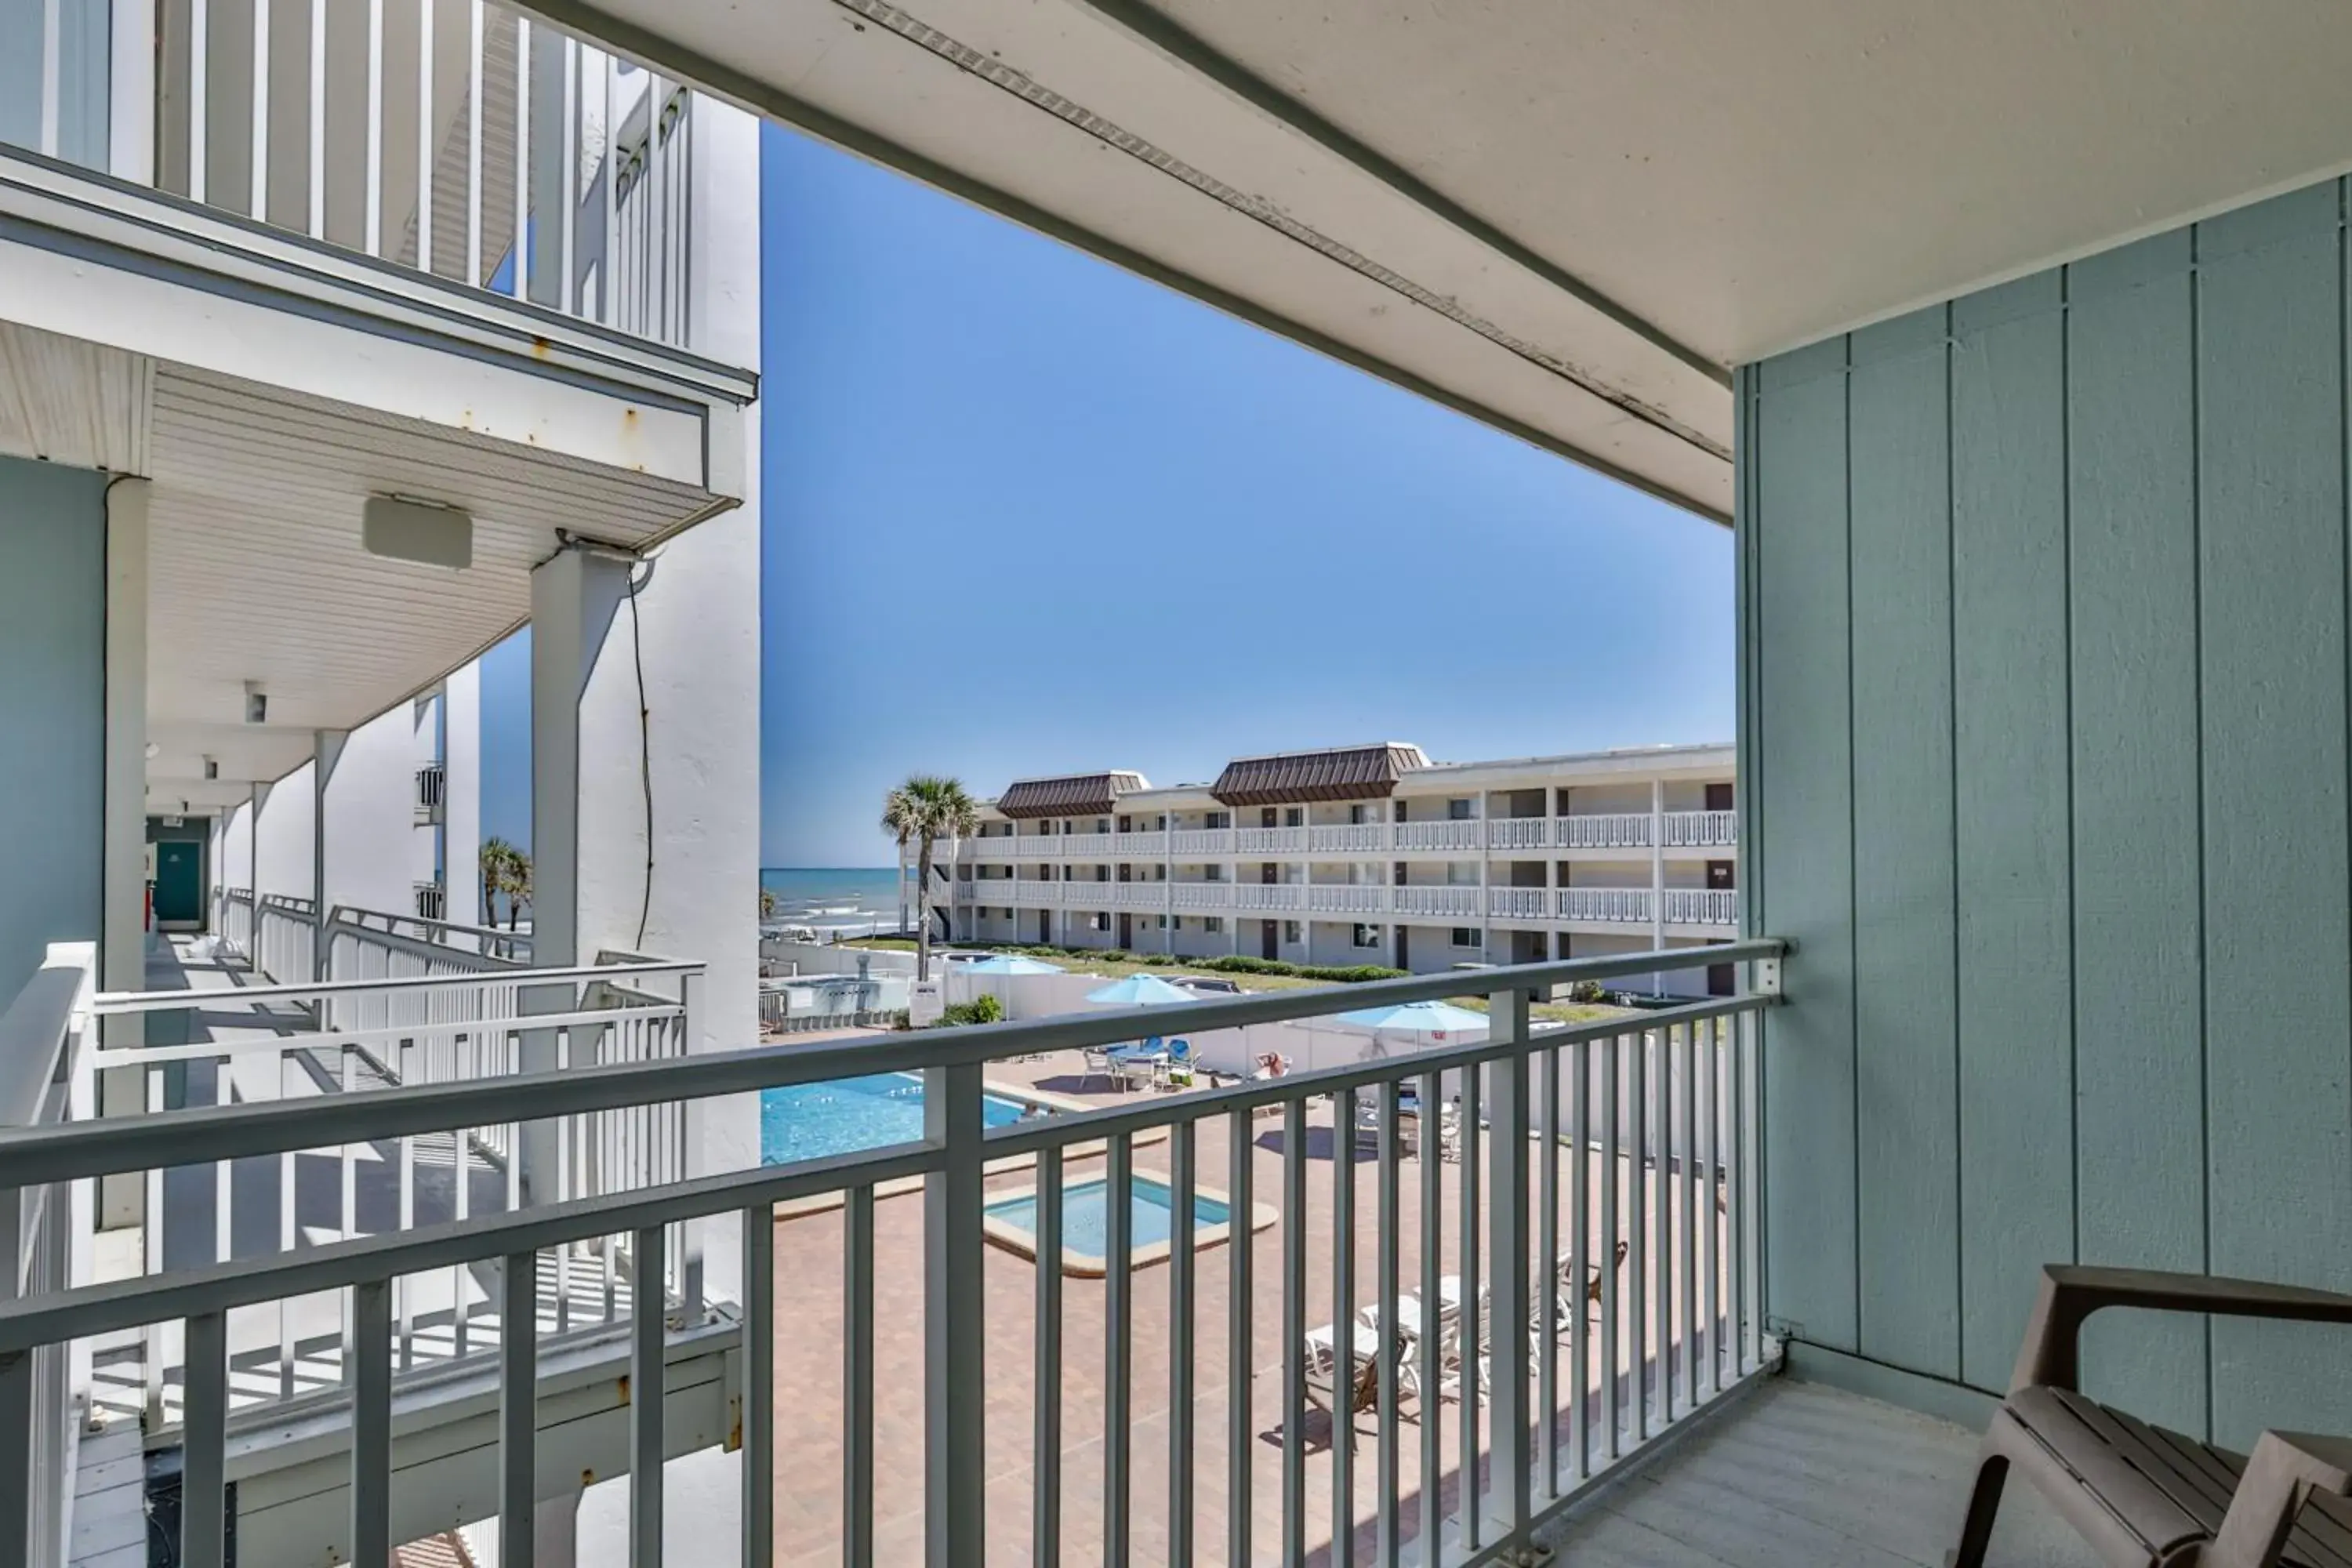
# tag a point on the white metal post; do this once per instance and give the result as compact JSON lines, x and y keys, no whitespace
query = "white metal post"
{"x":123,"y":950}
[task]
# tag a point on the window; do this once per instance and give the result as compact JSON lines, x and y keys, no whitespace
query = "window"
{"x":1466,"y":936}
{"x":1102,"y":825}
{"x":1126,"y":824}
{"x":1457,"y":810}
{"x":1365,"y":936}
{"x":1213,"y":925}
{"x":1160,"y":922}
{"x":1294,"y":816}
{"x":1098,"y":921}
{"x":1356,"y":811}
{"x":1213,"y":873}
{"x":1217,"y":819}
{"x":1293,"y":931}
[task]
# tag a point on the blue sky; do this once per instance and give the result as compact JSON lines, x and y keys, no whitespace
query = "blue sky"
{"x":1025,"y":513}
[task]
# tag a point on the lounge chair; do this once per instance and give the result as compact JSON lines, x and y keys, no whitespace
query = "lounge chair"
{"x":2146,"y":1498}
{"x":1098,"y":1062}
{"x":1366,"y":1347}
{"x":1368,"y":1126}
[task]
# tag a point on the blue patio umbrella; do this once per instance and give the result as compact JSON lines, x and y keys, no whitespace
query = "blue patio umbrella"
{"x":1012,"y":963}
{"x":1141,"y":991}
{"x":1416,"y":1019}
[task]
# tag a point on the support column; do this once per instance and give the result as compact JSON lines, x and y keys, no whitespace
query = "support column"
{"x":326,"y":751}
{"x":122,"y":926}
{"x":461,"y":761}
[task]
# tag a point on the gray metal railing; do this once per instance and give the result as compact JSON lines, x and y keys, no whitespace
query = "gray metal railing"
{"x":1626,"y":1138}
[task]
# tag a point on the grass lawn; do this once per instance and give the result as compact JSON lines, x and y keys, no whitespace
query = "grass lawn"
{"x":1558,"y":1012}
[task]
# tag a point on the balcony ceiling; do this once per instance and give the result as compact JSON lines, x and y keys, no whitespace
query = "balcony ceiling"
{"x":256,"y":570}
{"x":1567,"y":220}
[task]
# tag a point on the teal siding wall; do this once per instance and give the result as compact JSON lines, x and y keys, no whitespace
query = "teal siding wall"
{"x":2045,"y":740}
{"x":52,"y":710}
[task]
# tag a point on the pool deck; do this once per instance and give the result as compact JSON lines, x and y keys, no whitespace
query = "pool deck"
{"x":809,"y":1447}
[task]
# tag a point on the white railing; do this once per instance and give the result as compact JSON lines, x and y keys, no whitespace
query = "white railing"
{"x":1565,"y":1225}
{"x":1269,"y":840}
{"x":1089,"y":893}
{"x":1520,"y":832}
{"x":232,"y":919}
{"x":1140,"y":895}
{"x":1605,"y":830}
{"x":285,"y":933}
{"x":1139,"y":846}
{"x":1091,"y":846}
{"x":1348,"y":838}
{"x":1627,"y":904}
{"x":1519,"y":903}
{"x":963,"y":888}
{"x":1030,"y":890}
{"x":1200,"y":841}
{"x":432,"y":794}
{"x":1461,"y":900}
{"x":1702,"y":828}
{"x":1201,"y":895}
{"x":413,"y":1032}
{"x":431,"y":899}
{"x":1035,"y":846}
{"x":1269,"y":896}
{"x":461,"y":141}
{"x":1702,"y":906}
{"x":1348,"y":898}
{"x":1451,"y":833}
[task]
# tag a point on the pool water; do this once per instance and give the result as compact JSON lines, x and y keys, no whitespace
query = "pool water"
{"x":844,"y":1115}
{"x":1085,"y":1215}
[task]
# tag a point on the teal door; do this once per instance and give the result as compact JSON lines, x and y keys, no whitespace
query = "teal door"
{"x":179,"y":882}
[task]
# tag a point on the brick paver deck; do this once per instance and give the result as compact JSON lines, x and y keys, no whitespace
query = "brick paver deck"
{"x":809,"y":1487}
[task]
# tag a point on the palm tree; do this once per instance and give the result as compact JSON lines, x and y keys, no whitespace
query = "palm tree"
{"x":505,"y":869}
{"x":922,"y":811}
{"x":767,"y":905}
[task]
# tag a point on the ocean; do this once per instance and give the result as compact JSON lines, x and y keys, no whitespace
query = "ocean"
{"x":855,"y":899}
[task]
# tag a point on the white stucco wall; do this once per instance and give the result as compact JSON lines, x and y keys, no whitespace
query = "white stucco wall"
{"x":371,"y":818}
{"x":461,"y":837}
{"x":236,"y":858}
{"x":285,"y":839}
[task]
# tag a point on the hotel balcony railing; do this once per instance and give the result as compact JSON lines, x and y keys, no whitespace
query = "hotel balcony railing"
{"x":1201,"y":895}
{"x":1631,"y":905}
{"x":1269,"y":840}
{"x":431,"y":794}
{"x":1604,"y":830}
{"x":1519,"y":903}
{"x":1448,"y":900}
{"x":461,"y":140}
{"x":1702,"y":906}
{"x":1269,"y":896}
{"x":1599,"y":1231}
{"x":1588,"y":830}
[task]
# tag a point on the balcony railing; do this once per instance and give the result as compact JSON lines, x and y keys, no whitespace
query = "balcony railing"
{"x":1087,"y":846}
{"x":1348,"y":898}
{"x":1269,"y":840}
{"x":1519,"y":903}
{"x":1196,"y":842}
{"x":1605,"y":830}
{"x":1702,"y":906}
{"x":1581,"y":1278}
{"x":461,"y":140}
{"x":1519,"y":833}
{"x":1348,"y":838}
{"x":1269,"y":896}
{"x":1453,"y":832}
{"x":1627,"y":904}
{"x":430,"y":899}
{"x":1410,"y":900}
{"x":1702,"y":828}
{"x":432,"y":796}
{"x":1139,"y":846}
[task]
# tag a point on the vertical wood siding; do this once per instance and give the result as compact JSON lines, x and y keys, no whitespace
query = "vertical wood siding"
{"x":2044,"y":741}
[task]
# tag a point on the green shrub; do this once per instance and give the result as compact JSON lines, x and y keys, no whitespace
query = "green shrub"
{"x":1588,"y":991}
{"x":1342,"y":975}
{"x":982,"y":1009}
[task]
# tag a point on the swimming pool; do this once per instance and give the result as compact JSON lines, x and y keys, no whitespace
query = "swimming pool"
{"x":844,"y":1115}
{"x":1085,"y":1215}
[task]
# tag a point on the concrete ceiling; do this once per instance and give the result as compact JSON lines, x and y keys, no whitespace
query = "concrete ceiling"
{"x":1567,"y":220}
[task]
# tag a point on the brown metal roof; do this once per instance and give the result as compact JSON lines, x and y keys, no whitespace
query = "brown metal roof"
{"x":1075,"y":795}
{"x":1356,"y":773}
